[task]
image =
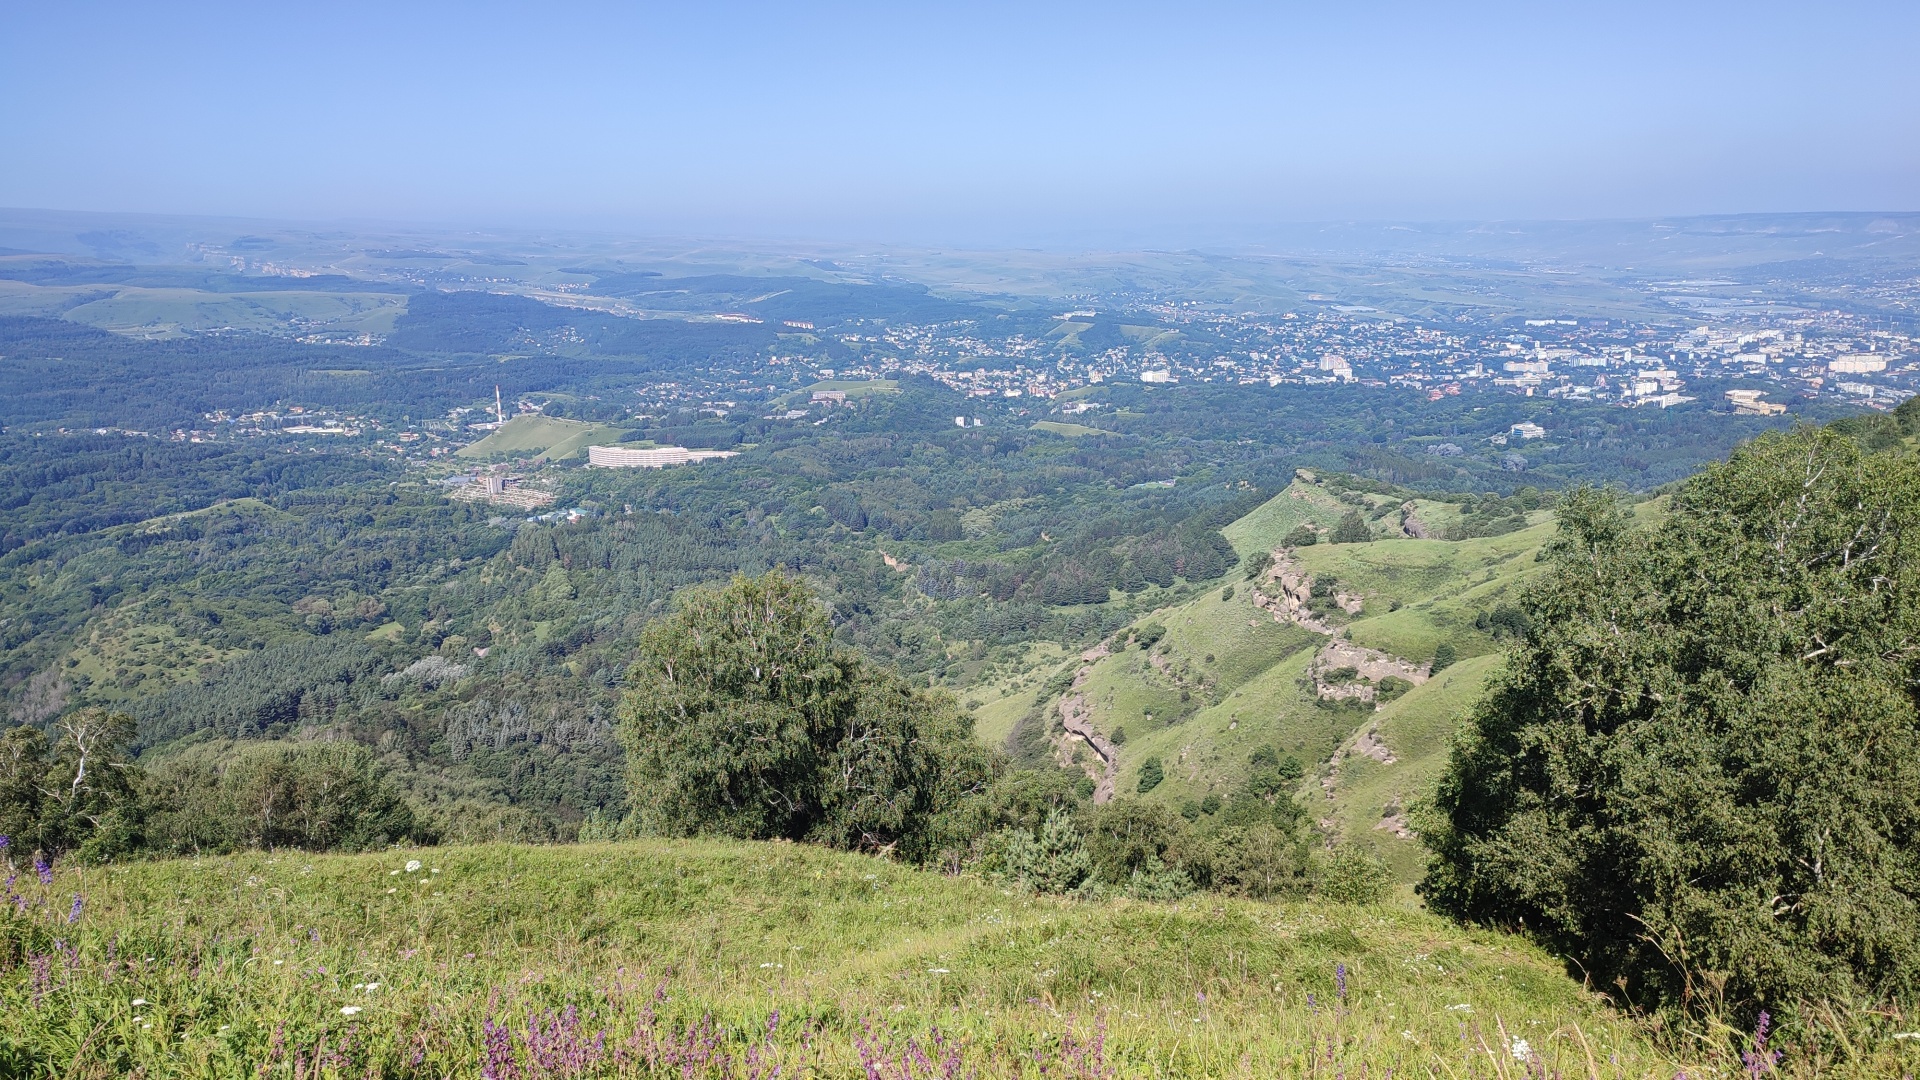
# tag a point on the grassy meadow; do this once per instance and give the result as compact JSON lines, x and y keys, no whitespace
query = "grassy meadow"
{"x":711,"y":959}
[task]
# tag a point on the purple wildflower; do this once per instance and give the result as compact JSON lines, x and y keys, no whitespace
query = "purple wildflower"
{"x":1759,"y":1059}
{"x":1340,"y":980}
{"x":73,"y":916}
{"x":497,"y":1061}
{"x":44,"y":868}
{"x":4,"y":842}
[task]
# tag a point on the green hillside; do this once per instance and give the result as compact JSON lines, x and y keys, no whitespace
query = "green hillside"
{"x":543,"y":436}
{"x":1227,"y":676}
{"x":684,"y":953}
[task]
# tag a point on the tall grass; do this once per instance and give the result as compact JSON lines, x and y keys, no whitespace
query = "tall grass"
{"x":699,"y":959}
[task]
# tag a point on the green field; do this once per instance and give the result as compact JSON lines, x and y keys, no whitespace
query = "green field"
{"x":854,"y":388}
{"x":546,"y":437}
{"x":1058,"y":427}
{"x":683,"y":952}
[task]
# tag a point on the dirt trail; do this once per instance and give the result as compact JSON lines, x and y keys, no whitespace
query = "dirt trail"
{"x":1076,"y":716}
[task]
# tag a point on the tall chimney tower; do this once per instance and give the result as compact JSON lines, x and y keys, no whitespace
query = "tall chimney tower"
{"x":499,"y":414}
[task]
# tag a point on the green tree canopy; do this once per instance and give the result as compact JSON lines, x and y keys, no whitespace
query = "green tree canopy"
{"x":742,"y":718}
{"x":1699,"y":775}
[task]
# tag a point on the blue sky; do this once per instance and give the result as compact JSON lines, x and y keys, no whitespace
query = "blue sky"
{"x":982,"y":121}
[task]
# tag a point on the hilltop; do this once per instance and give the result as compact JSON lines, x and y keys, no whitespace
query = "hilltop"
{"x":721,"y":959}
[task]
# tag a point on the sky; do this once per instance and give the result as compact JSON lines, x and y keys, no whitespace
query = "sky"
{"x":978,"y":122}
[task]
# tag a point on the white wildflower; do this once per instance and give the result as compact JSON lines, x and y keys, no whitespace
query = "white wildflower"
{"x":373,"y":986}
{"x":393,"y":873}
{"x":391,"y":891}
{"x":146,"y":1027}
{"x":413,"y":865}
{"x":1522,"y":1050}
{"x":349,"y":1010}
{"x":137,"y":1002}
{"x":1462,"y":1007}
{"x":938,"y":971}
{"x":277,"y":963}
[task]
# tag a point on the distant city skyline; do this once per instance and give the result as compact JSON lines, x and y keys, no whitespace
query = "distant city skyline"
{"x":981,"y":124}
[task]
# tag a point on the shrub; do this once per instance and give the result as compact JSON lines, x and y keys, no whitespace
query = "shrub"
{"x":1352,"y":875}
{"x":1151,"y":774}
{"x":1444,"y":657}
{"x":1699,"y":772}
{"x":1052,"y":860}
{"x":315,"y":796}
{"x":1303,"y":535}
{"x":1352,"y":529}
{"x":1259,"y":860}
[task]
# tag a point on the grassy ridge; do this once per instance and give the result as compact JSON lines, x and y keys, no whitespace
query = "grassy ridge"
{"x":245,"y":963}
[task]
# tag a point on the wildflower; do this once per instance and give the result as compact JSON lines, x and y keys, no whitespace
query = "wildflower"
{"x":1340,"y":980}
{"x":413,"y":865}
{"x":44,"y":868}
{"x":137,"y":1002}
{"x":1759,"y":1059}
{"x":4,"y":842}
{"x":938,"y":971}
{"x":1462,"y":1007}
{"x":73,"y":915}
{"x":1522,"y":1050}
{"x":349,"y":1010}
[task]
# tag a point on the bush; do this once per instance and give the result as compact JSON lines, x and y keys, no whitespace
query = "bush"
{"x":317,"y":796}
{"x":1352,"y":875}
{"x":1444,"y":657}
{"x":1302,"y":535}
{"x":1052,"y":860}
{"x":1260,"y":860}
{"x":1352,"y":529}
{"x":1151,"y":774}
{"x":1699,"y":772}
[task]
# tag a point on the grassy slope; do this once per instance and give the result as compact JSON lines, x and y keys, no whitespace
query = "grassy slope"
{"x":546,"y":436}
{"x":1418,"y":729}
{"x":1244,"y":675}
{"x":1440,"y":586}
{"x":225,"y":952}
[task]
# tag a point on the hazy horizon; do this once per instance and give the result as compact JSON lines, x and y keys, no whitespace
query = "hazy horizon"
{"x":984,"y":126}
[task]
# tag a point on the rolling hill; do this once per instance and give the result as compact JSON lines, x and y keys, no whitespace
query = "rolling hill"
{"x":1201,"y":684}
